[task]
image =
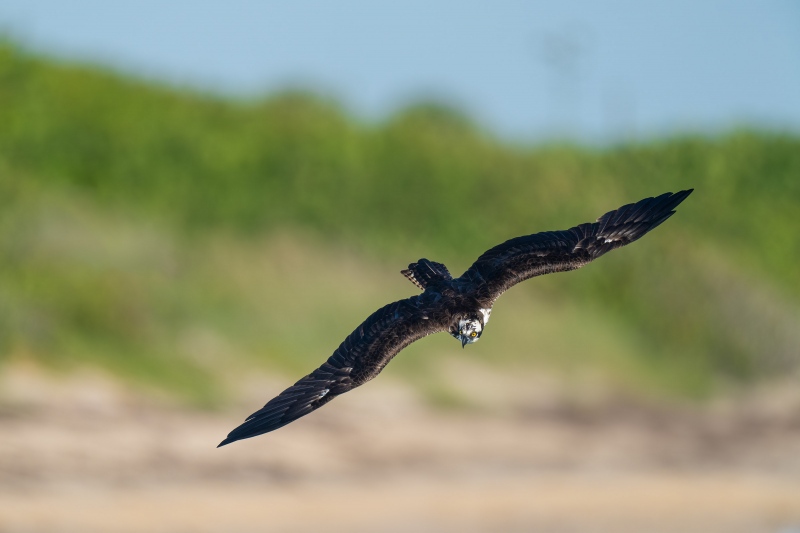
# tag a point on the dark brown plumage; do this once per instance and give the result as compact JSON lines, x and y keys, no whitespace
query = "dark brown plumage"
{"x":460,"y":306}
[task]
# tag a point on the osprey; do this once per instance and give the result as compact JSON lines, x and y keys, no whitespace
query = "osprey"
{"x":460,"y":306}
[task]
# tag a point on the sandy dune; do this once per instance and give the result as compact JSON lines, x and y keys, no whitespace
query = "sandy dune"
{"x":88,"y":461}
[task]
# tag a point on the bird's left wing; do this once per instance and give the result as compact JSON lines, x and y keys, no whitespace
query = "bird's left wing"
{"x":361,"y":357}
{"x":521,"y":258}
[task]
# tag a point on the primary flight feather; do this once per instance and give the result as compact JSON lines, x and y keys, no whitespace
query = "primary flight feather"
{"x":461,"y":306}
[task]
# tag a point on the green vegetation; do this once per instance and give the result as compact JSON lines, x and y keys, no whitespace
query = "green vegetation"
{"x":171,"y":236}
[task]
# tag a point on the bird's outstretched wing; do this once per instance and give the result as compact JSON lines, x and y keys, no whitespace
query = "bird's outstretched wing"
{"x":522,"y":258}
{"x":361,"y":357}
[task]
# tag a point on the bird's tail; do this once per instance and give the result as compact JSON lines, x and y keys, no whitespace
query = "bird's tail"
{"x":424,"y":272}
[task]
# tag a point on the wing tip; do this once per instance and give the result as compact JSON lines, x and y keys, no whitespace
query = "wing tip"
{"x":675,"y":199}
{"x":683,"y":194}
{"x":225,"y":442}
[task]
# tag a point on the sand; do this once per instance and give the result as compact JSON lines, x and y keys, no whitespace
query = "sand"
{"x":87,"y":459}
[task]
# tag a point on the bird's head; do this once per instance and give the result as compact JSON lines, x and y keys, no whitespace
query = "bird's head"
{"x":469,"y":330}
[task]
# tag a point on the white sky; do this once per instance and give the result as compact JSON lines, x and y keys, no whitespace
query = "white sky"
{"x":594,"y":70}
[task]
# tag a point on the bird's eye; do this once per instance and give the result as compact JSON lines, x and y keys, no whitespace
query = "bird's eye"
{"x":474,"y":334}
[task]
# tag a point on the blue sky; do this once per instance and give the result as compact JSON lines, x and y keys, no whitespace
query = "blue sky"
{"x":527,"y":70}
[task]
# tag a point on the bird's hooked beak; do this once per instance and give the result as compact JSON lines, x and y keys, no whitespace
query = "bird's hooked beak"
{"x":463,"y":341}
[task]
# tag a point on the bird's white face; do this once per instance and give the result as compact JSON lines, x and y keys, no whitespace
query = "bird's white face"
{"x":469,"y":331}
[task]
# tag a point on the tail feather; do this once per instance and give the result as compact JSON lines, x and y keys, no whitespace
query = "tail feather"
{"x":425,"y":272}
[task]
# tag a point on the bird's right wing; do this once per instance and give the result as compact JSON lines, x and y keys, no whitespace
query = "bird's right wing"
{"x":361,"y":357}
{"x":522,"y":258}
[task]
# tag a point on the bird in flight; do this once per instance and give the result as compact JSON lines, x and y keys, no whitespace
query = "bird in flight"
{"x":460,"y":306}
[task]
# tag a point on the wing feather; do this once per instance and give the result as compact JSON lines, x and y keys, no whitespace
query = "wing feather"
{"x":358,"y":359}
{"x":521,"y":258}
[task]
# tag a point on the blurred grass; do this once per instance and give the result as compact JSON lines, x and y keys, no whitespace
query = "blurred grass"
{"x":171,"y":237}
